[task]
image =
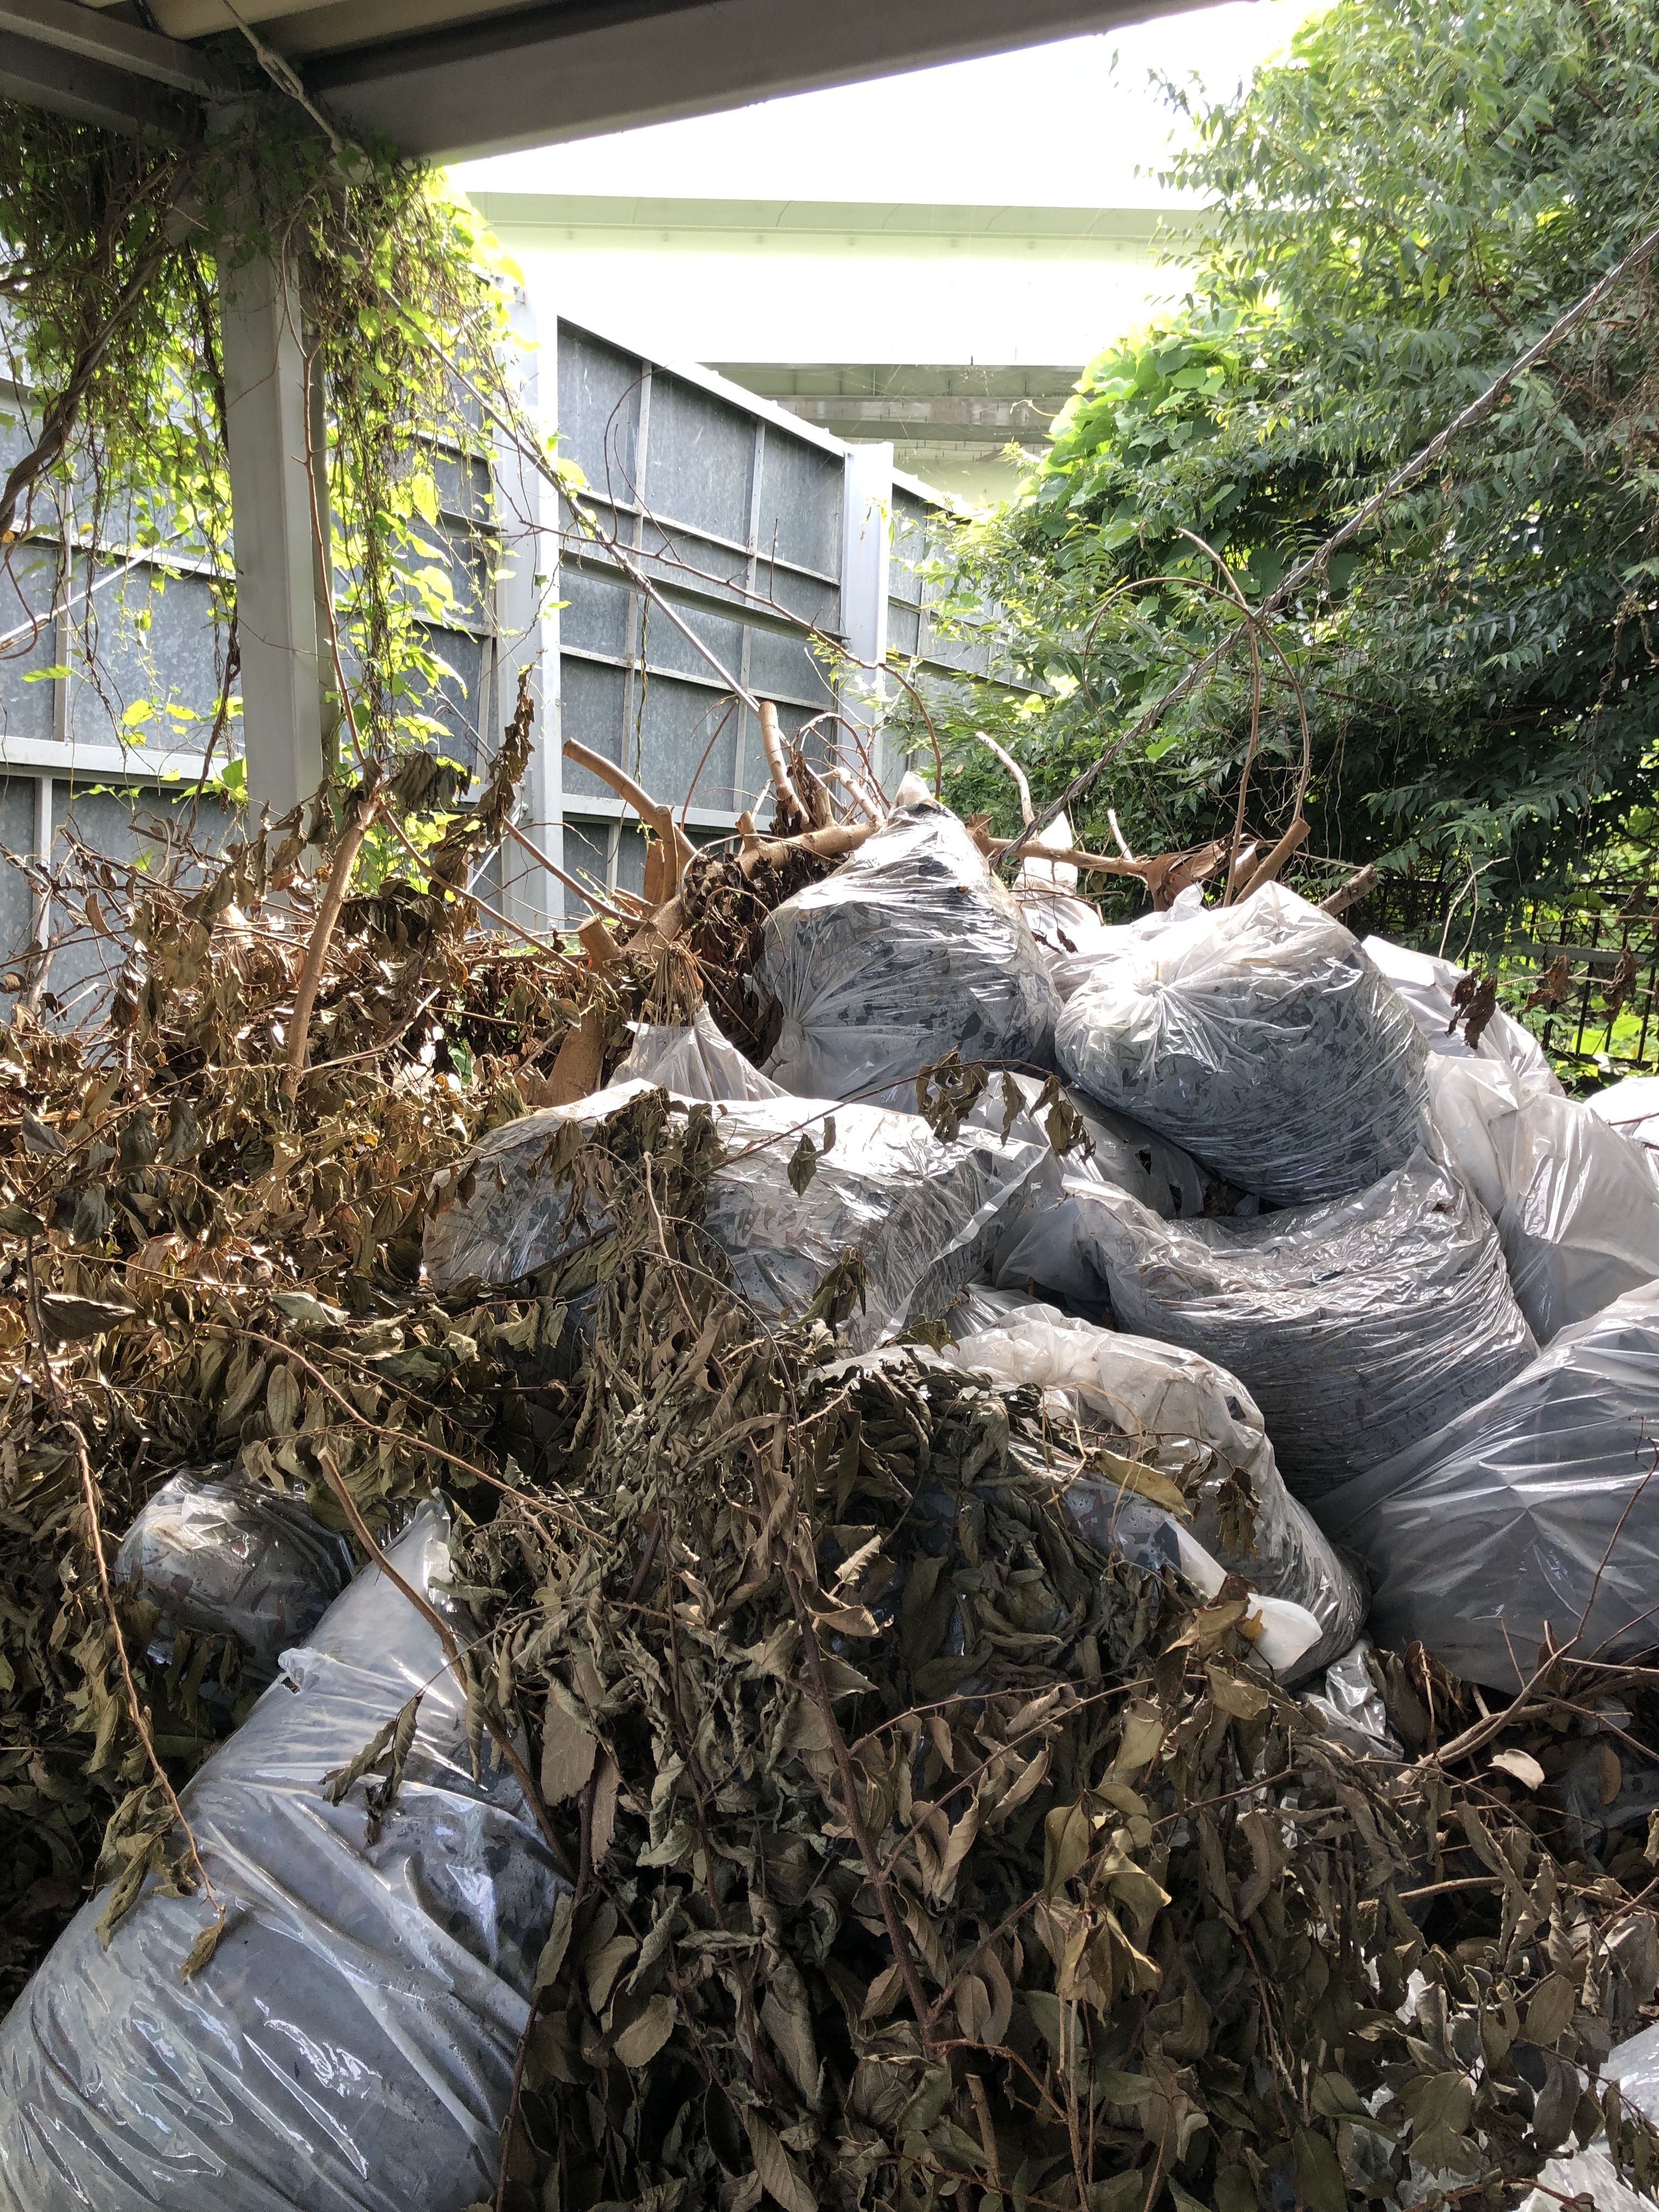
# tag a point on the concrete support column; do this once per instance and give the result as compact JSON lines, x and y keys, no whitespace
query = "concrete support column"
{"x":267,"y":407}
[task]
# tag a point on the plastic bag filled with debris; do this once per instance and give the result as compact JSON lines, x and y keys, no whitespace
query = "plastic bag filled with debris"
{"x":910,"y":950}
{"x":804,"y":1181}
{"x":693,"y":1062}
{"x":1155,"y":1406}
{"x":350,"y":2044}
{"x":218,"y":1554}
{"x":1430,"y":985}
{"x":1509,"y":1518}
{"x":1575,"y":1201}
{"x":1358,"y":1326}
{"x":1039,"y":1239}
{"x":1121,"y":940}
{"x":1259,"y":1037}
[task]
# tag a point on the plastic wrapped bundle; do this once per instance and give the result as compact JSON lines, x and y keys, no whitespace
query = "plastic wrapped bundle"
{"x":1039,"y":1238}
{"x":349,"y":2046}
{"x":1502,"y":1522}
{"x":1358,"y":1326}
{"x":1575,"y":1201}
{"x":1260,"y":1038}
{"x":219,"y":1554}
{"x":1178,"y":1414}
{"x":910,"y":950}
{"x":923,"y":1214}
{"x":1427,"y":984}
{"x":693,"y":1062}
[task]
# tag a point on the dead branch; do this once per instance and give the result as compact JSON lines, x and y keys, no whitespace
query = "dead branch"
{"x":1018,"y":774}
{"x":772,"y":746}
{"x":1358,"y":887}
{"x":599,"y":905}
{"x":365,"y":809}
{"x":1295,"y":835}
{"x":677,"y":848}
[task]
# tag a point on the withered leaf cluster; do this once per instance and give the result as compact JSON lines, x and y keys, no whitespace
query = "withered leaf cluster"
{"x":918,"y":1850}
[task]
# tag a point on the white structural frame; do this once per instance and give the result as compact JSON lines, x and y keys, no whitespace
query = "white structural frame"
{"x":267,"y":424}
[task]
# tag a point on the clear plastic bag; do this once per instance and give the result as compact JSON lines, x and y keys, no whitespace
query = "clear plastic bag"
{"x":923,"y":1214}
{"x":1351,"y":1704}
{"x":219,"y":1555}
{"x":1502,"y":1521}
{"x":1258,"y":1038}
{"x":1039,"y":1239}
{"x":1183,"y":1417}
{"x":695,"y":1062}
{"x":910,"y":950}
{"x":1575,"y":1201}
{"x":1632,"y":1106}
{"x":349,"y":2046}
{"x":1358,"y":1326}
{"x":1426,"y":985}
{"x":1120,"y":940}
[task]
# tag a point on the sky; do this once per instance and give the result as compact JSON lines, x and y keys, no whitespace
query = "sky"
{"x":1076,"y":124}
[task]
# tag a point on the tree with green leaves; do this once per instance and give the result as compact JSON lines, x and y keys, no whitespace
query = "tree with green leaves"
{"x":1399,"y":209}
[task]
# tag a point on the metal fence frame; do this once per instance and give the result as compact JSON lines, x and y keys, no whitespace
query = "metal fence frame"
{"x":771,"y":618}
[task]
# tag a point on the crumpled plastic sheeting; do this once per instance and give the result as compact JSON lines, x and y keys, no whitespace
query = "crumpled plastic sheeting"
{"x":1500,"y":1521}
{"x":1576,"y":1202}
{"x":1426,"y":985}
{"x":695,"y":1062}
{"x":1633,"y":1105}
{"x":922,"y":1212}
{"x":1634,"y":2065}
{"x":350,"y":2046}
{"x":1173,"y":1408}
{"x":1039,"y":1235}
{"x":1358,"y":1326}
{"x":1259,"y":1037}
{"x":1351,"y":1703}
{"x":910,"y":950}
{"x":220,"y":1555}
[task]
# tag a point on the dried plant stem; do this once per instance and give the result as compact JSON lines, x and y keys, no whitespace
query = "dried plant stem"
{"x":772,"y":746}
{"x":677,"y":848}
{"x":365,"y":808}
{"x":72,"y":1429}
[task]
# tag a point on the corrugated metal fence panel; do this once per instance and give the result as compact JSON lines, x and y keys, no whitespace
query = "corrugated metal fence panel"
{"x":736,"y":522}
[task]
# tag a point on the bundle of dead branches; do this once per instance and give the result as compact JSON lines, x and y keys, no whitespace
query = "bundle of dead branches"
{"x":920,"y":1850}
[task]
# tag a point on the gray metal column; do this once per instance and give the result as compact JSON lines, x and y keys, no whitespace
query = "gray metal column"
{"x":527,"y":634}
{"x":267,"y":408}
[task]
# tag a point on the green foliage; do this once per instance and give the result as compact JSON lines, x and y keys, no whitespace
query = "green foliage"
{"x":1401,"y":207}
{"x":111,"y":253}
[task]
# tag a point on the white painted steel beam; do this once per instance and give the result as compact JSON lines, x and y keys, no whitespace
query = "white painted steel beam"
{"x":866,"y":554}
{"x":527,"y":636}
{"x":267,"y":408}
{"x":568,"y":69}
